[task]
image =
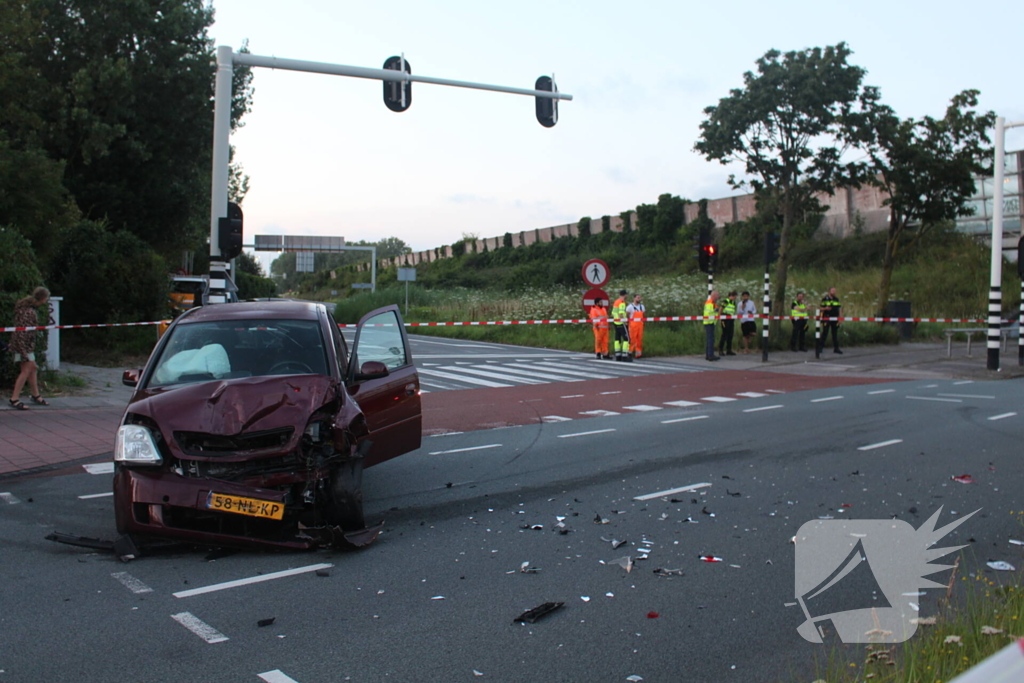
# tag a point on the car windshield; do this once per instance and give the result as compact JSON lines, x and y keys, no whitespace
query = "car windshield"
{"x":232,"y":349}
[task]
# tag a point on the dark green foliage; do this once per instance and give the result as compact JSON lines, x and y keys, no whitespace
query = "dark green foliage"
{"x":108,"y":276}
{"x":660,"y":223}
{"x":18,"y":277}
{"x":506,"y":241}
{"x":583,"y":227}
{"x":247,"y":263}
{"x":606,"y":223}
{"x":254,"y":287}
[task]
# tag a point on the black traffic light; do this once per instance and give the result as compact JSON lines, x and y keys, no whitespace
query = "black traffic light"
{"x":771,"y":248}
{"x":398,"y":94}
{"x":1020,"y":257}
{"x":547,"y":107}
{"x":707,"y":252}
{"x":229,"y":233}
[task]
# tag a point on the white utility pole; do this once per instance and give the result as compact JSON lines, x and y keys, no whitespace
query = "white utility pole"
{"x":995,"y":295}
{"x":226,"y":61}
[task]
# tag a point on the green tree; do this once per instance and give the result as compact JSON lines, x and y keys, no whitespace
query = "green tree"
{"x":786,"y":126}
{"x":661,"y":222}
{"x":248,"y":263}
{"x":926,"y":166}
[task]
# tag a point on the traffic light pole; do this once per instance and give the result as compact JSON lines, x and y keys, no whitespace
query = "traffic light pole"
{"x":226,"y":61}
{"x":711,"y":282}
{"x":995,"y":295}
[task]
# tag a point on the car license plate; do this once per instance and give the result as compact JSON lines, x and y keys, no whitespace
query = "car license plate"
{"x":253,"y":507}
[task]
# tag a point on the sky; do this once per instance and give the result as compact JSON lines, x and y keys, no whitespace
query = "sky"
{"x":326,"y":157}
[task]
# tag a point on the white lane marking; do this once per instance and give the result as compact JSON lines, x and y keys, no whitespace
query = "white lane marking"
{"x":471,"y":448}
{"x":503,"y":376}
{"x":254,"y":579}
{"x":598,"y":431}
{"x":436,"y":385}
{"x":756,"y":410}
{"x":670,"y":492}
{"x":9,"y":498}
{"x":881,"y":391}
{"x":930,"y":386}
{"x":751,"y":394}
{"x":477,"y":345}
{"x":600,"y":413}
{"x":96,"y":495}
{"x":685,"y":419}
{"x":774,"y":391}
{"x":446,"y":434}
{"x":573,"y":396}
{"x":930,"y":398}
{"x":880,"y":444}
{"x":967,"y":396}
{"x":550,"y":419}
{"x":459,"y":378}
{"x":546,"y":376}
{"x":641,"y":408}
{"x":717,"y":399}
{"x":1000,"y":417}
{"x":131,"y":583}
{"x":609,"y":393}
{"x":560,"y":369}
{"x":827,"y":398}
{"x":682,"y":404}
{"x":99,"y":468}
{"x":199,"y":627}
{"x":966,"y":381}
{"x":276,"y":676}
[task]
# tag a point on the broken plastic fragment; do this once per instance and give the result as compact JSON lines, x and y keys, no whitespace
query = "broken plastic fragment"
{"x":437,"y":597}
{"x":653,"y":615}
{"x":322,"y":573}
{"x":616,"y":543}
{"x":1016,"y":542}
{"x":585,"y":598}
{"x":525,"y":568}
{"x":624,"y":562}
{"x":634,"y":678}
{"x":963,"y":479}
{"x":477,"y":673}
{"x":530,"y":616}
{"x":598,"y":519}
{"x":668,"y":572}
{"x":710,"y":558}
{"x":265,"y":622}
{"x":1001,"y":566}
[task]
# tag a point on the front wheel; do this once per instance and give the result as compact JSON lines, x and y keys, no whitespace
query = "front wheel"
{"x":345,"y":507}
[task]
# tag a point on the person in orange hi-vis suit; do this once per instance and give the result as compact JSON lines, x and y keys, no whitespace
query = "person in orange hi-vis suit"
{"x":599,"y":320}
{"x":636,"y":313}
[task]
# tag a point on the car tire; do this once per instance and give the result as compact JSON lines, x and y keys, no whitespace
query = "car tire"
{"x":345,"y":507}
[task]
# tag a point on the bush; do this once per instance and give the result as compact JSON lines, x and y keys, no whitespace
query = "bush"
{"x":254,"y":287}
{"x":18,"y":278}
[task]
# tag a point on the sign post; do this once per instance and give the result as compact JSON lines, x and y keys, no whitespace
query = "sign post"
{"x":407,"y":275}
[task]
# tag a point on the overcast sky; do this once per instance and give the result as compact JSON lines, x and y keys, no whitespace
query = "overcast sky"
{"x":326,"y":157}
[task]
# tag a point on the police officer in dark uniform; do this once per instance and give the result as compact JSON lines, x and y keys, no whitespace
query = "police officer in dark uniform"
{"x":830,"y":308}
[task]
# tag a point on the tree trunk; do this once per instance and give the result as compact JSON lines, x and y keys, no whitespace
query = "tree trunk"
{"x":778,"y":283}
{"x":887,"y":264}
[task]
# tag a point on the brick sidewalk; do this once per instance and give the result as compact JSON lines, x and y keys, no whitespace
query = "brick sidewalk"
{"x":46,"y":436}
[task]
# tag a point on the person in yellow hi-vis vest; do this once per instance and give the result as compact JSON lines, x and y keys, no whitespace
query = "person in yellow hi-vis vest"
{"x":621,"y":325}
{"x":636,"y":312}
{"x":799,"y":313}
{"x":728,"y":311}
{"x":599,"y":320}
{"x":710,"y":318}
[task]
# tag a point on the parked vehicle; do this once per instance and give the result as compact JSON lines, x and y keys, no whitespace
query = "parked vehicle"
{"x":251,"y":425}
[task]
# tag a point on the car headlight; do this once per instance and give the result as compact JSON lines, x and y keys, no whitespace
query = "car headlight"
{"x":135,"y":445}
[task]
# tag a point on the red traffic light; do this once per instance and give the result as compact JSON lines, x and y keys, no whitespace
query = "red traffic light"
{"x":710,"y":249}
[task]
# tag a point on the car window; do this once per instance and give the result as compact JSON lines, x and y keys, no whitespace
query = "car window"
{"x":231,"y":349}
{"x":381,"y":340}
{"x":341,"y":348}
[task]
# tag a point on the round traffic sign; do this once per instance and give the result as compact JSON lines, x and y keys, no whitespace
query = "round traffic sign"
{"x":596,"y":273}
{"x":591,"y":298}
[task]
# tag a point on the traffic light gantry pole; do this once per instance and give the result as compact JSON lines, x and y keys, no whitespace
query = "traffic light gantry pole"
{"x":547,"y":113}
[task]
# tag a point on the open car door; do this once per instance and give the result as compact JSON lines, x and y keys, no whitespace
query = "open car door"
{"x":390,"y":401}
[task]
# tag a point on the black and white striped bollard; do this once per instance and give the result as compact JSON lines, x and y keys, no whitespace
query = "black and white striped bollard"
{"x":767,"y":309}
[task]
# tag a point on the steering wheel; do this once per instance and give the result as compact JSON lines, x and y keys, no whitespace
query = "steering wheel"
{"x":282,"y":367}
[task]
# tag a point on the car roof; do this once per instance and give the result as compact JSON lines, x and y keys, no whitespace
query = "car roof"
{"x":249,"y":310}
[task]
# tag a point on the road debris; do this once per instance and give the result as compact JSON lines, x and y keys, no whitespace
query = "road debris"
{"x":525,"y":568}
{"x":624,"y":562}
{"x":598,"y":519}
{"x":710,"y":558}
{"x":634,"y":678}
{"x":265,"y":622}
{"x":531,"y":616}
{"x":661,"y":571}
{"x":477,"y":673}
{"x":616,"y":543}
{"x":653,"y":615}
{"x":437,"y":597}
{"x":323,"y":573}
{"x":534,"y":527}
{"x":1001,"y":566}
{"x":1016,"y":542}
{"x":707,"y":512}
{"x":585,"y":598}
{"x":963,"y":479}
{"x":734,"y":494}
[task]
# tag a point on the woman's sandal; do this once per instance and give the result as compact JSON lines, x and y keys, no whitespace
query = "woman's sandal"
{"x":17,"y":405}
{"x":39,"y":400}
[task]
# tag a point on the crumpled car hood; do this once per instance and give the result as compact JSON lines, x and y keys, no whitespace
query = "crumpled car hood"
{"x":230,"y":407}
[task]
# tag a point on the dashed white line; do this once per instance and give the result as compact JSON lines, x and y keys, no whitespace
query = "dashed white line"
{"x":199,"y":627}
{"x":881,"y":391}
{"x":600,"y":413}
{"x":96,"y":495}
{"x":685,"y":419}
{"x":464,"y":450}
{"x":751,"y":394}
{"x":9,"y":498}
{"x":641,"y":408}
{"x":682,"y":404}
{"x":966,"y":381}
{"x":446,"y":434}
{"x":718,"y":399}
{"x":609,"y":393}
{"x":276,"y":676}
{"x":880,"y":444}
{"x":931,"y":398}
{"x":827,"y":398}
{"x":967,"y":396}
{"x":759,"y":409}
{"x":930,"y":386}
{"x":254,"y":579}
{"x":99,"y":468}
{"x":131,"y":583}
{"x":555,"y":418}
{"x":598,"y":431}
{"x":670,"y":492}
{"x":574,"y":396}
{"x":774,"y":391}
{"x":1002,"y":416}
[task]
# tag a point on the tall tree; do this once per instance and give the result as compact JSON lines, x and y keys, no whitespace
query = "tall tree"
{"x":786,"y":127}
{"x":926,"y":166}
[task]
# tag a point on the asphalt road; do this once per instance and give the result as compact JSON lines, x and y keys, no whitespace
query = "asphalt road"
{"x":434,"y":599}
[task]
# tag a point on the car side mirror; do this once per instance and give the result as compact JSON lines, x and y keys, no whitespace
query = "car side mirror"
{"x":130,"y":378}
{"x":372,"y":369}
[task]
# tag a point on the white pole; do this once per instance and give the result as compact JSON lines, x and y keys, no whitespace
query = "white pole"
{"x":373,"y":270}
{"x":995,"y":296}
{"x":219,"y":184}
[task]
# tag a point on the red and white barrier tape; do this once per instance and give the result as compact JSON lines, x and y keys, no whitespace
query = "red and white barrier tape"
{"x":674,"y":318}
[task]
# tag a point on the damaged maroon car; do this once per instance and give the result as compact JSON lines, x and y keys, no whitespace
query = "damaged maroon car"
{"x":252,"y":422}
